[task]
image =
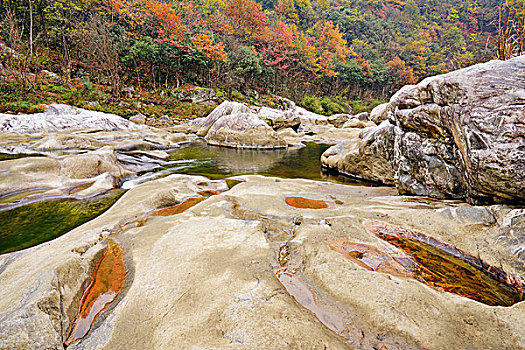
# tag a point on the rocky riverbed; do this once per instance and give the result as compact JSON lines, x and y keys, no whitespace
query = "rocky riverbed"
{"x":233,"y":261}
{"x":249,"y":268}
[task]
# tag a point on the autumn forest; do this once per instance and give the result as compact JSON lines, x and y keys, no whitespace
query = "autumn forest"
{"x":351,"y":49}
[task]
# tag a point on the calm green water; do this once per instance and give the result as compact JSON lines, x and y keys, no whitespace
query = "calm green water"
{"x":220,"y":162}
{"x":36,"y":223}
{"x":32,"y":224}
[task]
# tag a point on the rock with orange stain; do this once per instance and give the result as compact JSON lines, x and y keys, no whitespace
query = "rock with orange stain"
{"x":179,"y":208}
{"x":208,"y":193}
{"x":109,"y":278}
{"x":446,"y":268}
{"x":305,"y":203}
{"x":394,"y":263}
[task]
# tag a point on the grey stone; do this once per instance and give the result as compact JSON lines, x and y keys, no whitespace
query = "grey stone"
{"x":338,"y":120}
{"x":138,"y":119}
{"x":199,"y":95}
{"x":362,"y":116}
{"x":225,"y":108}
{"x":369,"y":157}
{"x":244,"y":130}
{"x":460,"y":135}
{"x":380,"y":113}
{"x":279,"y":119}
{"x":60,"y":117}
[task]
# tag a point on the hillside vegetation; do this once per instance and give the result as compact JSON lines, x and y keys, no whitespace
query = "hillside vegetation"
{"x":302,"y":49}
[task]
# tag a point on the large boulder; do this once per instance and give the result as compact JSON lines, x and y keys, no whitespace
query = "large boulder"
{"x":460,"y":135}
{"x":225,"y":108}
{"x":368,"y":157}
{"x":380,"y":113}
{"x":60,"y":117}
{"x":279,"y":119}
{"x":244,"y":130}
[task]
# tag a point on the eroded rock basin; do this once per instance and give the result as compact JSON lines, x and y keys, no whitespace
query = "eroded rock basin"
{"x":244,"y":269}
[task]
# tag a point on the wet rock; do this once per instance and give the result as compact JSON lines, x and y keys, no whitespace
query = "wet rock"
{"x":58,"y":175}
{"x":244,"y":130}
{"x":138,"y":119}
{"x":362,"y":116}
{"x":61,"y":141}
{"x":356,"y":123}
{"x":213,"y":275}
{"x":368,"y":156}
{"x":60,"y":117}
{"x":305,"y":203}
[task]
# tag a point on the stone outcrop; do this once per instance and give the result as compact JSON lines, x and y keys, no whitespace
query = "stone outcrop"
{"x":461,"y":135}
{"x":225,"y":108}
{"x":240,"y":269}
{"x":244,"y":130}
{"x":60,"y":117}
{"x":380,"y":113}
{"x":279,"y":119}
{"x":199,"y":95}
{"x":369,"y":156}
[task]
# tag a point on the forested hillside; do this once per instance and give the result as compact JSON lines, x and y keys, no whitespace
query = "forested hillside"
{"x":354,"y":49}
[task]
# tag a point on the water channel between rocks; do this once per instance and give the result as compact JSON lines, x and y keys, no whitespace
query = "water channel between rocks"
{"x":32,"y":224}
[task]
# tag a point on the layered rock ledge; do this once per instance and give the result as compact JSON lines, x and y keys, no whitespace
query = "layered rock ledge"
{"x":459,"y":135}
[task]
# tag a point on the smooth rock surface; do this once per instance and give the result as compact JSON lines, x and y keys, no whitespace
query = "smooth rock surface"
{"x":224,"y":109}
{"x":206,"y":278}
{"x":369,"y":156}
{"x":278,"y":119}
{"x":60,"y":117}
{"x":244,"y":130}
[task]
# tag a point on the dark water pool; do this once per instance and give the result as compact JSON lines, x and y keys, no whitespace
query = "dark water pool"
{"x":219,"y":163}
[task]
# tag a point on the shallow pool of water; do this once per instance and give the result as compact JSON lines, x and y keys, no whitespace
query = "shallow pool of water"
{"x":219,"y":162}
{"x":35,"y":223}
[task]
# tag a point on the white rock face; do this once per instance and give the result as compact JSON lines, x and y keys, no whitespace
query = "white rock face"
{"x":60,"y":117}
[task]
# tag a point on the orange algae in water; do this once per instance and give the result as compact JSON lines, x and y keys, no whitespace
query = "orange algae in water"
{"x":449,"y":269}
{"x":179,"y":208}
{"x":109,"y":278}
{"x":208,"y":193}
{"x":305,"y":203}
